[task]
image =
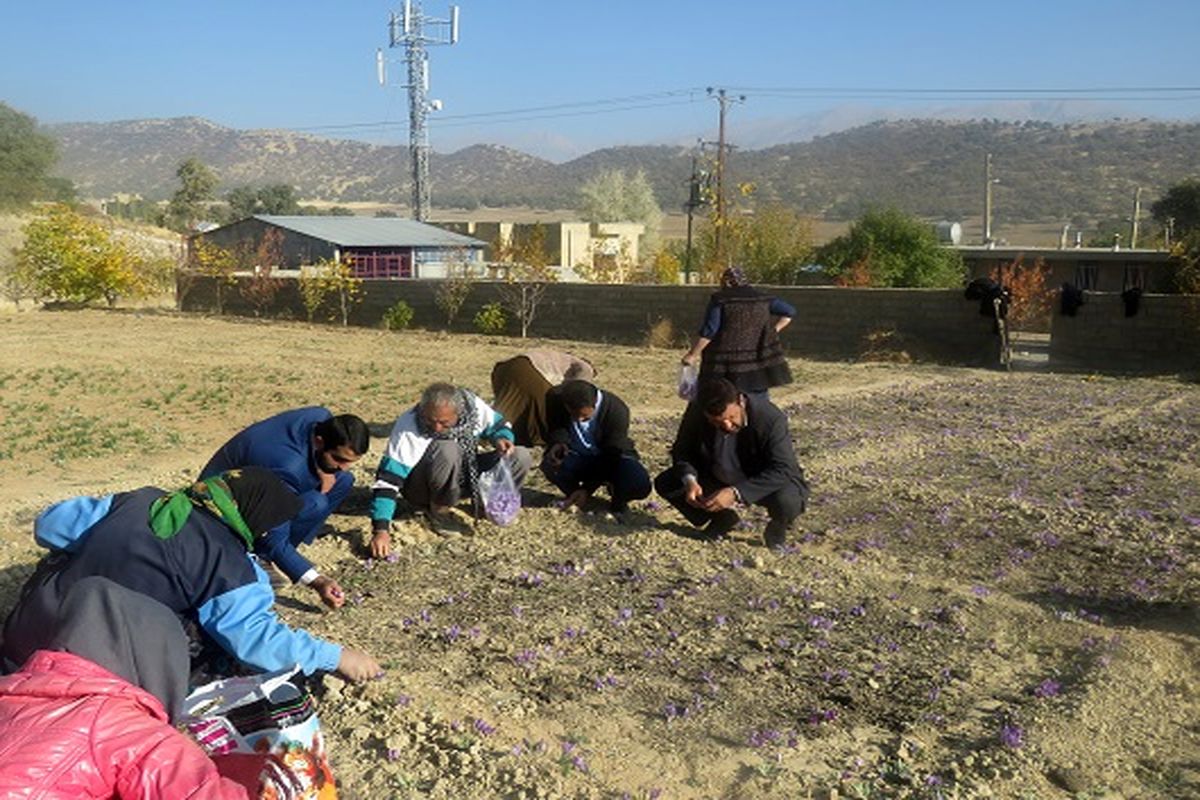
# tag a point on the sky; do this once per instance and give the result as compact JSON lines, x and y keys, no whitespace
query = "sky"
{"x":559,"y":78}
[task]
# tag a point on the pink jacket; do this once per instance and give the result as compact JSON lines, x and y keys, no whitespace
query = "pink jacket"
{"x":70,"y":729}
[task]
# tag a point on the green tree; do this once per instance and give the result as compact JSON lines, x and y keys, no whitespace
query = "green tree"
{"x":243,"y":202}
{"x":71,"y":258}
{"x":891,"y":248}
{"x":213,"y":261}
{"x":525,"y":268}
{"x":771,"y":244}
{"x":341,"y":282}
{"x":189,"y":203}
{"x":26,"y":157}
{"x":278,"y":199}
{"x":1180,"y":205}
{"x":613,"y":196}
{"x":453,"y":291}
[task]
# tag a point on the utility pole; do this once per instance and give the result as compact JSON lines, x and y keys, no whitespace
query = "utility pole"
{"x":725,"y":101}
{"x":988,"y":182}
{"x":409,"y":31}
{"x":1137,"y":212}
{"x":695,"y":200}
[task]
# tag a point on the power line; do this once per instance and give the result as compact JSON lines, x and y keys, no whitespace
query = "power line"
{"x":690,"y":95}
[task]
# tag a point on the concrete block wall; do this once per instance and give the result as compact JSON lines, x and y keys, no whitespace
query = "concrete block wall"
{"x":1162,"y":338}
{"x":932,"y":325}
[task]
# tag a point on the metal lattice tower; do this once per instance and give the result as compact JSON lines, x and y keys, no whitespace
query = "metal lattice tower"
{"x":408,"y":30}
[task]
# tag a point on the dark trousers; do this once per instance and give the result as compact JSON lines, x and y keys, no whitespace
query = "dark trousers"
{"x":784,"y":506}
{"x":625,"y":476}
{"x":280,"y":543}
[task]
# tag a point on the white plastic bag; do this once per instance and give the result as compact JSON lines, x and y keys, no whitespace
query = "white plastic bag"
{"x":271,"y":716}
{"x":499,"y":494}
{"x":689,"y":376}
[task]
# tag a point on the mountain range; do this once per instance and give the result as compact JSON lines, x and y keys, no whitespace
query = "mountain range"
{"x":1079,"y":172}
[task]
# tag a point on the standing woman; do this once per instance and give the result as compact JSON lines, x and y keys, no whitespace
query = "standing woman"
{"x":739,"y":340}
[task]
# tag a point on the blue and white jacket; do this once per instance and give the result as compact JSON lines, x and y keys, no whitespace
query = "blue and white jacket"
{"x":407,"y":444}
{"x":203,"y":573}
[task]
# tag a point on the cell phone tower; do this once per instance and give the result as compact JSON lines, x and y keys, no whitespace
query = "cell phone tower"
{"x":410,"y":30}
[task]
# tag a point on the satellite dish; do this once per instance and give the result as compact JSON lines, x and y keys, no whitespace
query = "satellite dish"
{"x":435,"y":105}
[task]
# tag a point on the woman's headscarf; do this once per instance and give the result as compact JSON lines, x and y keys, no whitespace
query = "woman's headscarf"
{"x":251,"y":501}
{"x":733,"y":277}
{"x":131,"y":635}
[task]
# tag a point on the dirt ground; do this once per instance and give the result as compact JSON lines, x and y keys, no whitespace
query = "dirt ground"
{"x":993,"y":594}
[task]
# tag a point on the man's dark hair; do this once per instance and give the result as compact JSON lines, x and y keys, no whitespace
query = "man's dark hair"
{"x":344,"y":429}
{"x":577,"y":395}
{"x":715,"y":395}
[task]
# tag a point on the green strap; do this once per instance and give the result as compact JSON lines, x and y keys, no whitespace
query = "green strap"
{"x":168,"y":514}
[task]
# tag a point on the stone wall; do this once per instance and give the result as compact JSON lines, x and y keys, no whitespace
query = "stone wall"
{"x":934,"y":325}
{"x":1162,"y":337}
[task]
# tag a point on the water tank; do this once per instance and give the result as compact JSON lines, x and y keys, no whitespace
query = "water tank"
{"x":948,"y":232}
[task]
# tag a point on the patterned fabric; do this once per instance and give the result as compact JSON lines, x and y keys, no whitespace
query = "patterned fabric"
{"x":746,"y":349}
{"x":169,"y":513}
{"x":464,"y":434}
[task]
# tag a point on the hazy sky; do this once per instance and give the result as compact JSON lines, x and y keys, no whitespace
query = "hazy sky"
{"x":805,"y":68}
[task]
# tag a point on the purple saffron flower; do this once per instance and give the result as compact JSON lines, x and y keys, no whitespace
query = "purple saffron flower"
{"x":1047,"y":688}
{"x":980,"y":591}
{"x":403,"y":700}
{"x":1011,"y":736}
{"x":483,"y":728}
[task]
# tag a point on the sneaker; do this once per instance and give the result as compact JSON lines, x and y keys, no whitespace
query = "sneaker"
{"x":721,"y":524}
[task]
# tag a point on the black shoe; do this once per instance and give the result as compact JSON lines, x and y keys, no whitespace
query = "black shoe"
{"x":721,"y":524}
{"x":775,"y":534}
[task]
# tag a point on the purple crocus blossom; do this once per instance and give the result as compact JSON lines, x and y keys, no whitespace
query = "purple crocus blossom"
{"x":1011,"y":736}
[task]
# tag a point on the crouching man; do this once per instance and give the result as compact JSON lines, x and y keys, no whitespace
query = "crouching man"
{"x":433,"y":458}
{"x":733,"y":448}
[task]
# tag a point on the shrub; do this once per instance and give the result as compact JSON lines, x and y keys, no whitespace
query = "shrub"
{"x":491,"y":319}
{"x":398,"y":317}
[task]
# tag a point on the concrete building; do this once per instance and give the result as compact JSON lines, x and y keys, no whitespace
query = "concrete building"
{"x":568,"y":244}
{"x":1093,"y":269}
{"x":376,"y":247}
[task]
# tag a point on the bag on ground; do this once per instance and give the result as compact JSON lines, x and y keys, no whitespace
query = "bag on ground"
{"x":270,"y":716}
{"x":499,"y":494}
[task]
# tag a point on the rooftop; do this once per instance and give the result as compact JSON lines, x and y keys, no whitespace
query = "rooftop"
{"x":371,"y":231}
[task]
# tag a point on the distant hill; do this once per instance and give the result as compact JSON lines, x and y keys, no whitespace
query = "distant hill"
{"x":1047,"y":172}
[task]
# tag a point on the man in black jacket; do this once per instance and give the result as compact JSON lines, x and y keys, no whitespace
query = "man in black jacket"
{"x":733,"y":448}
{"x":589,"y":446}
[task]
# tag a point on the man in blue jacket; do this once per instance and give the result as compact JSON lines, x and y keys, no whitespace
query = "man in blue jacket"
{"x":309,"y":449}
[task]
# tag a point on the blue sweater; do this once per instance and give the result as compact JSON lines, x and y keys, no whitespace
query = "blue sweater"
{"x":203,"y":573}
{"x":282,"y":444}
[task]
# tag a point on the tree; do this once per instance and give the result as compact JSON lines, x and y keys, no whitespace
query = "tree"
{"x":313,"y":287}
{"x":278,"y":199}
{"x":243,"y":202}
{"x":1179,"y":208}
{"x":1030,"y":303}
{"x":71,"y":258}
{"x":771,"y":244}
{"x":453,"y":291}
{"x":213,"y":261}
{"x":341,"y":282}
{"x":26,"y":157}
{"x":525,"y":267}
{"x":260,"y":288}
{"x":612,"y":196}
{"x":188,"y":204}
{"x":894,"y":249}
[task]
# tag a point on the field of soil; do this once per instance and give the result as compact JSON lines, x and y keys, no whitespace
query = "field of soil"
{"x":994,"y":592}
